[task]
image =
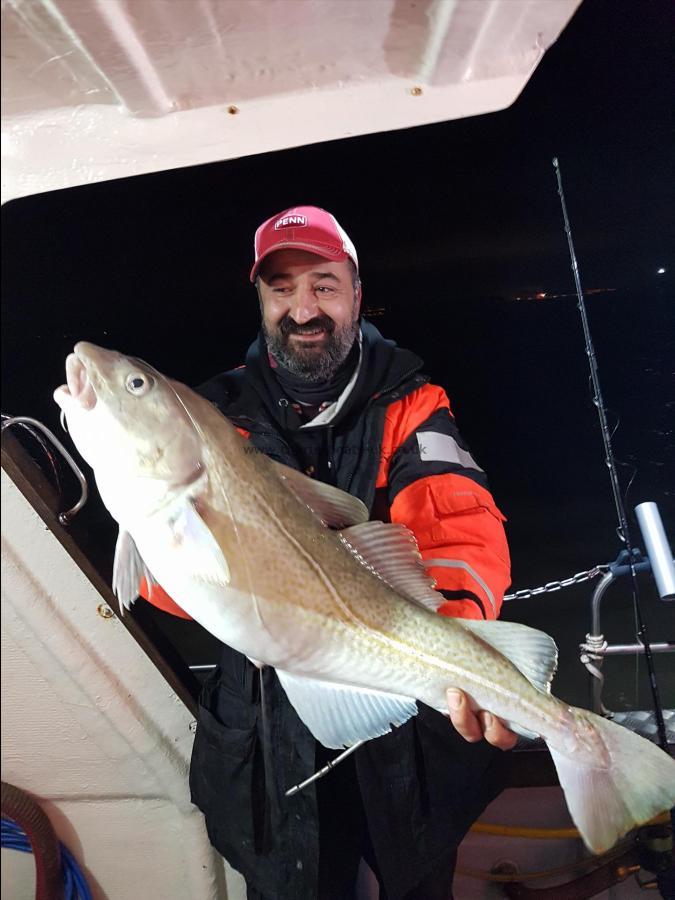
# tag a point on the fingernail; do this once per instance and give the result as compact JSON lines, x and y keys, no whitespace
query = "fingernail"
{"x":486,"y":719}
{"x":454,"y":699}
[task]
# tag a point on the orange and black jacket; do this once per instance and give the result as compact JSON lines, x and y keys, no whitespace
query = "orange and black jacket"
{"x":396,"y":446}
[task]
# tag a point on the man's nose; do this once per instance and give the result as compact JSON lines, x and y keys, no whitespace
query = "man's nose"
{"x":304,"y":305}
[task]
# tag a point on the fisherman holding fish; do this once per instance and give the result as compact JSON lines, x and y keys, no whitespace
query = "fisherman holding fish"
{"x":334,"y":532}
{"x":322,"y":391}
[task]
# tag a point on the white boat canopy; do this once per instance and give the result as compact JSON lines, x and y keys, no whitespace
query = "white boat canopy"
{"x":100,"y":89}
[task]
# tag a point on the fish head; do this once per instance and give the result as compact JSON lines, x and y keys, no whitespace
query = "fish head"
{"x":129,"y":423}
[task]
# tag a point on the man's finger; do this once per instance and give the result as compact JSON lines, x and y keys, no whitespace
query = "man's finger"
{"x":473,"y":726}
{"x":465,"y":721}
{"x":496,"y":733}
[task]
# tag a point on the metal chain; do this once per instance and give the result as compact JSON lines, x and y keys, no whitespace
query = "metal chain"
{"x":559,"y":585}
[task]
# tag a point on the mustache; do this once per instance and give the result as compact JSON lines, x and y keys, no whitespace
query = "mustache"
{"x":289,"y":326}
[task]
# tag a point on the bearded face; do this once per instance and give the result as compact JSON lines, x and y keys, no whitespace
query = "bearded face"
{"x":310,"y":312}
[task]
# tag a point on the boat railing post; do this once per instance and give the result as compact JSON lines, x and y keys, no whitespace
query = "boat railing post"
{"x":595,"y":648}
{"x":592,"y":650}
{"x":658,"y":549}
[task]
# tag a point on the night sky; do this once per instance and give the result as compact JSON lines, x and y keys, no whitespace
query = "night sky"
{"x":452,"y":223}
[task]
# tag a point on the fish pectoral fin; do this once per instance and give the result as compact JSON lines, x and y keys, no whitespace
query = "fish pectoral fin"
{"x":390,"y":550}
{"x":531,"y":651}
{"x":335,"y":508}
{"x":128,"y":570}
{"x":193,"y":538}
{"x":339,"y":715}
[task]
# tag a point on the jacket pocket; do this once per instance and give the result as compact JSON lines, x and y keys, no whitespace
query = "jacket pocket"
{"x":465,"y":502}
{"x":227,"y":781}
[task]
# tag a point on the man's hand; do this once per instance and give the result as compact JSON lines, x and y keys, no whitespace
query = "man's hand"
{"x":476,"y":725}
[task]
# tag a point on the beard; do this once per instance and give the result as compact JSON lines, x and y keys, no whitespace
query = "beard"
{"x":316,"y":360}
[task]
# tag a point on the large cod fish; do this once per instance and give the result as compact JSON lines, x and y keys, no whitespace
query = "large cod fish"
{"x":289,"y":572}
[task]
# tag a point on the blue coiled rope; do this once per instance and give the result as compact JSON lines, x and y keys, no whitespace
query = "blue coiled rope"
{"x":74,"y":884}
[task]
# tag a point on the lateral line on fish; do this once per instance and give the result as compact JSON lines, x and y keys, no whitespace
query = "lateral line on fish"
{"x":249,"y":577}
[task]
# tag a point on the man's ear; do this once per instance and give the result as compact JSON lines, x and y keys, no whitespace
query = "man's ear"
{"x":358,"y":294}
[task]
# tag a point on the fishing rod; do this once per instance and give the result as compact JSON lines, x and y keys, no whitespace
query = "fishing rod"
{"x":623,"y":529}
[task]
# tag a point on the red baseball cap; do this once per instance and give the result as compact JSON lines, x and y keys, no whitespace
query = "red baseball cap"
{"x":307,"y":228}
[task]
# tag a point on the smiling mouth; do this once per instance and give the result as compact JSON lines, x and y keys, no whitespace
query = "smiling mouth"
{"x":314,"y":333}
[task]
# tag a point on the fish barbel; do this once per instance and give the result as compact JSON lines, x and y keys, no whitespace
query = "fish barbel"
{"x":289,"y":571}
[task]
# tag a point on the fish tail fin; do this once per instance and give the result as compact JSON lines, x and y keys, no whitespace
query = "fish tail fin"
{"x":605,"y":801}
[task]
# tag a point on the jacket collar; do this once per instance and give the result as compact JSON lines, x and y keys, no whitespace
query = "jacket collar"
{"x":384,"y":366}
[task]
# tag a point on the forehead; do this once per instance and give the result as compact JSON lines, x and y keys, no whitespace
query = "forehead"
{"x":294,"y":262}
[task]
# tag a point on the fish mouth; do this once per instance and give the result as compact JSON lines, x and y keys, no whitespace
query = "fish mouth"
{"x":78,"y":386}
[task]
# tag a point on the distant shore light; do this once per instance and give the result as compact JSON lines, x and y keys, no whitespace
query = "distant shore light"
{"x":660,"y":271}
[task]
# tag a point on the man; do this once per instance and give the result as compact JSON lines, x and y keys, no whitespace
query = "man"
{"x":325,"y":393}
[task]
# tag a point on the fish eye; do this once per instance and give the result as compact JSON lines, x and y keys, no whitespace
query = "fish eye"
{"x":139,"y":384}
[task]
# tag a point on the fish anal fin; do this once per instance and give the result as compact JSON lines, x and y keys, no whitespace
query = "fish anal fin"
{"x":339,"y":715}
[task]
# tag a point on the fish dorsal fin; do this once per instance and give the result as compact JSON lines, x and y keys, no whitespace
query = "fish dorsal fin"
{"x":128,"y":570}
{"x":390,"y":551}
{"x":531,"y":651}
{"x":339,"y":715}
{"x":335,"y":508}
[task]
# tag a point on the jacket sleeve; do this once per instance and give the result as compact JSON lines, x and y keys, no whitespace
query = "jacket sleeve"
{"x":436,"y":488}
{"x":159,"y":598}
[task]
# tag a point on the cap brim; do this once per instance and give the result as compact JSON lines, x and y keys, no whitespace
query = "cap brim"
{"x":333,"y":255}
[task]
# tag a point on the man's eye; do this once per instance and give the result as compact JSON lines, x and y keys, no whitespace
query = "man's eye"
{"x":325,"y":289}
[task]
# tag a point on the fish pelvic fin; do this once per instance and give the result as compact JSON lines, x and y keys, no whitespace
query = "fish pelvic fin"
{"x":636,"y":783}
{"x":340,"y":715}
{"x":128,"y":570}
